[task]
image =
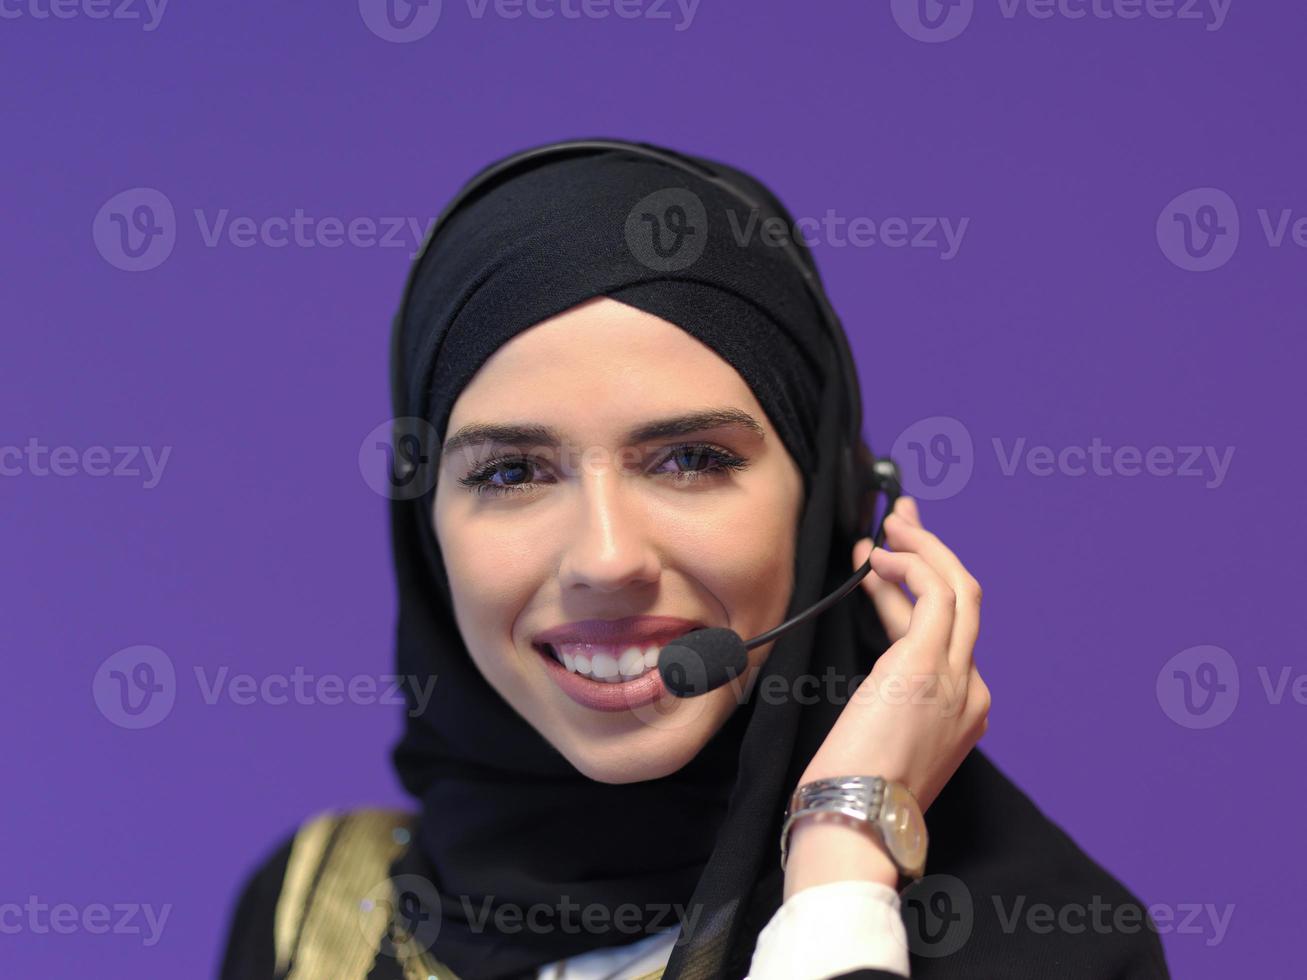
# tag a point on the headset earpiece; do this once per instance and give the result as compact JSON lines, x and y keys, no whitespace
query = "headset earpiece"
{"x":859,"y":485}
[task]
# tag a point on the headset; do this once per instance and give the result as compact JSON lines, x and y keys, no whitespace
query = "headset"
{"x":707,"y":658}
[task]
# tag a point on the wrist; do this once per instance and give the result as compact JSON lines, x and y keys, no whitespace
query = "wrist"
{"x":822,"y":851}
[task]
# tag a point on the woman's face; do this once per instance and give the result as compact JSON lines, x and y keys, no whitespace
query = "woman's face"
{"x":696,"y":523}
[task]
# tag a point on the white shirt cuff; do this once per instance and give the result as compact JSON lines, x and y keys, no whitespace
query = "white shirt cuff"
{"x":826,"y":930}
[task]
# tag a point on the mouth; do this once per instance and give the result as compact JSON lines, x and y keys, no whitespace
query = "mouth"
{"x":610,"y":665}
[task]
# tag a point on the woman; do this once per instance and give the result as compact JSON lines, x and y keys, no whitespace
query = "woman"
{"x":629,"y":427}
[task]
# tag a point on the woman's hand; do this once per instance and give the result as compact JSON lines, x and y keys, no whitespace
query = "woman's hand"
{"x":924,"y":705}
{"x":919,"y":712}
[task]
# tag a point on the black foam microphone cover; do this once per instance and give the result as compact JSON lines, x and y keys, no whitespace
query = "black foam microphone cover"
{"x":702,"y":660}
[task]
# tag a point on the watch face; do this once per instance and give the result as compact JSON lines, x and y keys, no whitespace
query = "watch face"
{"x":903,"y":827}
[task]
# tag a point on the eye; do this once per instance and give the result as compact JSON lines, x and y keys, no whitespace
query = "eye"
{"x":719,"y":462}
{"x":514,"y":475}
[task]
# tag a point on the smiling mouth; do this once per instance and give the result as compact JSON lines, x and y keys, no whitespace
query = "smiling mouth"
{"x":602,"y":662}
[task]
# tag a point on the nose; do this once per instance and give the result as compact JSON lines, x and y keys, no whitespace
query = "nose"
{"x":608,"y":547}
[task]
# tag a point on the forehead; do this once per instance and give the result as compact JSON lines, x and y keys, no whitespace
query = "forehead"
{"x":601,"y":352}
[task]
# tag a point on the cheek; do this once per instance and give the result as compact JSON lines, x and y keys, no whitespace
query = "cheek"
{"x":745,"y":548}
{"x":489,"y":573}
{"x":744,"y":555}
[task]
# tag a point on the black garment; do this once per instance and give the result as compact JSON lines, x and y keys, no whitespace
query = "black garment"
{"x":983,"y":829}
{"x":493,"y":792}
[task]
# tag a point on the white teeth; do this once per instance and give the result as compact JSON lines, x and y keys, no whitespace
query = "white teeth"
{"x":610,"y":665}
{"x":631,"y":663}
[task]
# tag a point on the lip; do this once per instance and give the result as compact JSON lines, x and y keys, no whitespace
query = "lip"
{"x":637,"y":630}
{"x":601,"y":695}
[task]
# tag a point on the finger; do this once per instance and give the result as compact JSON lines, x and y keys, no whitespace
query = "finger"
{"x":931,"y":624}
{"x":907,"y":538}
{"x":892,"y":604}
{"x":906,"y":507}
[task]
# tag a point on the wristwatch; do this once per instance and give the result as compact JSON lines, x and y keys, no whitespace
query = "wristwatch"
{"x":872,"y":804}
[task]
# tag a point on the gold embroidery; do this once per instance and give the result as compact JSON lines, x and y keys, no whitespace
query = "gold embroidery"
{"x":336,"y":939}
{"x":305,"y":856}
{"x":336,"y":861}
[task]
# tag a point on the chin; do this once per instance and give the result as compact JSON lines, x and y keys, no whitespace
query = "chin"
{"x":633,"y":759}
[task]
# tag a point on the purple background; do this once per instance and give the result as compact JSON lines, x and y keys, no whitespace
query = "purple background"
{"x":262,"y":548}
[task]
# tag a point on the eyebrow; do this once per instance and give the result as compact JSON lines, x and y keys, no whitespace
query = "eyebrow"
{"x":531,"y":434}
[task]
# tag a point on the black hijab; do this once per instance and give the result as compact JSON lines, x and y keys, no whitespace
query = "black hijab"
{"x":499,"y":803}
{"x":497,"y":799}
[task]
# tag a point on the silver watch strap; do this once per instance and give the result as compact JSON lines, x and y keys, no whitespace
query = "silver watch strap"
{"x":856,"y":797}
